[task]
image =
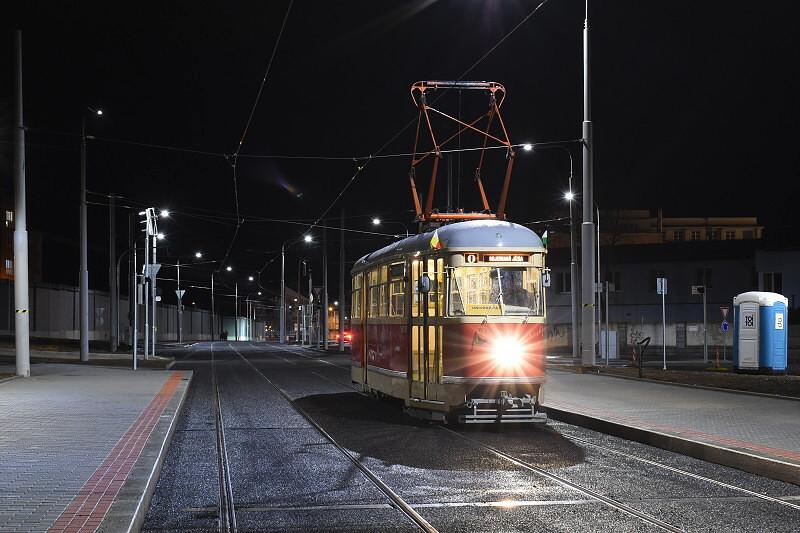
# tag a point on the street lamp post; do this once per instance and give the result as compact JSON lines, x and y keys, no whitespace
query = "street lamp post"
{"x":84,"y":273}
{"x":588,"y":332}
{"x":573,"y":270}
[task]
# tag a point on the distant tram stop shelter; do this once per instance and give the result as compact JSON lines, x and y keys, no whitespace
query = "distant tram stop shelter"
{"x":760,"y":336}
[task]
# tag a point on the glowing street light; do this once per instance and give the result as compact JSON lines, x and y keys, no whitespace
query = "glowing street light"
{"x":307,"y":238}
{"x":569,"y":196}
{"x":198,"y":255}
{"x":376,"y":221}
{"x":160,"y":236}
{"x":228,"y":268}
{"x":164,"y":213}
{"x":527,"y":147}
{"x":249,"y":278}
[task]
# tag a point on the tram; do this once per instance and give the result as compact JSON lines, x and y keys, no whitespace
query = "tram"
{"x":451,"y":322}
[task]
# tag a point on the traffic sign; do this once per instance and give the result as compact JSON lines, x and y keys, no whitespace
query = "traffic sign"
{"x":180,"y":293}
{"x":698,"y":289}
{"x":661,"y":285}
{"x":725,"y":326}
{"x":724,"y":310}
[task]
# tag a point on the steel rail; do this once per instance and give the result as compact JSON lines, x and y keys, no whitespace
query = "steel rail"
{"x":570,"y":484}
{"x":624,"y":454}
{"x":684,"y":472}
{"x":401,"y":504}
{"x":227,"y":508}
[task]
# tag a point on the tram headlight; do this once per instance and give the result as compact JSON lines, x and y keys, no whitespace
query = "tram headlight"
{"x":508,"y":350}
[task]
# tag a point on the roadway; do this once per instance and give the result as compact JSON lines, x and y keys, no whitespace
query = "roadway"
{"x":274,"y":438}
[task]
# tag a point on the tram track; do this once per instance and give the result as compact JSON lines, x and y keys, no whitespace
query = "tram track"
{"x":611,"y":502}
{"x":398,"y":502}
{"x":227,"y":507}
{"x":597,"y":496}
{"x":683,"y":472}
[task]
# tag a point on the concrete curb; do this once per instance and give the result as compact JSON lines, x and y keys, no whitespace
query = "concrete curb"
{"x":688,"y":385}
{"x":128,"y":512}
{"x":12,"y":378}
{"x":741,"y":460}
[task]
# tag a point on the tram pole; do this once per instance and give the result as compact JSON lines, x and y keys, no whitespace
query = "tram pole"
{"x":588,"y":333}
{"x":324,"y":302}
{"x":21,"y":314}
{"x":282,"y":314}
{"x":341,"y":282}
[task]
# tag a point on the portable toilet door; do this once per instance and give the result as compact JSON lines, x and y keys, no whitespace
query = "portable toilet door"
{"x":748,"y":336}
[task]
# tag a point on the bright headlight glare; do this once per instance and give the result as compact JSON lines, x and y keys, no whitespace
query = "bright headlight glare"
{"x":508,"y":350}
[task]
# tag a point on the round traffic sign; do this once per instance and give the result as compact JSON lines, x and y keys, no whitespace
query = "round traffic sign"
{"x":724,"y":327}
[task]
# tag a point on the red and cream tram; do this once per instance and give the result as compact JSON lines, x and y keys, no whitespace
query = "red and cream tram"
{"x":451,"y":321}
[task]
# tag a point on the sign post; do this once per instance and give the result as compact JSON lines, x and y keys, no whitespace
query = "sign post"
{"x":661,"y":288}
{"x":724,"y":327}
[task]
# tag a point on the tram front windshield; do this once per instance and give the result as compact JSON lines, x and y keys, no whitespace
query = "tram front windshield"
{"x":501,"y":291}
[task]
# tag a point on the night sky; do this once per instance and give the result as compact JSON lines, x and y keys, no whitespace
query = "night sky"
{"x":695,"y":107}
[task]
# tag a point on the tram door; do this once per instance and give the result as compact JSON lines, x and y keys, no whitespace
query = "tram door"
{"x":426,"y":330}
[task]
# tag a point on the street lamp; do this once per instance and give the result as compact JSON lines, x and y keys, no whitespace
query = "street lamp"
{"x":527,"y":147}
{"x":164,"y":213}
{"x":282,"y":314}
{"x":228,"y":268}
{"x":84,"y":273}
{"x":569,"y":196}
{"x":198,"y":255}
{"x":377,"y":222}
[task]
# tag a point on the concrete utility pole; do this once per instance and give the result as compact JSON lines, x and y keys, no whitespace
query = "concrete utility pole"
{"x":341,"y":282}
{"x":153,"y":285}
{"x":112,"y":276}
{"x":324,"y":308}
{"x":213,"y":309}
{"x":134,"y":297}
{"x":236,"y":311}
{"x":21,"y":314}
{"x":282,"y":311}
{"x":145,"y":287}
{"x":180,"y":304}
{"x":310,"y":312}
{"x":84,"y":273}
{"x":588,"y":334}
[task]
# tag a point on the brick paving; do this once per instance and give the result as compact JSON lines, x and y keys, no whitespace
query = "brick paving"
{"x":758,"y":425}
{"x":69,"y":427}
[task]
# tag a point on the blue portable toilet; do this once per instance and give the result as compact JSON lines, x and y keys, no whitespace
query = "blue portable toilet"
{"x":760,"y":336}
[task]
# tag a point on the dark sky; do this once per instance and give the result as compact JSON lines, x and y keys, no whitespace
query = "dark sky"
{"x":695,"y":109}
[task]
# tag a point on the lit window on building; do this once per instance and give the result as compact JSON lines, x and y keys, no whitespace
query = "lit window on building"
{"x":678,"y":235}
{"x":695,"y":235}
{"x":9,"y":265}
{"x":730,"y":235}
{"x":9,"y":217}
{"x":713,"y":234}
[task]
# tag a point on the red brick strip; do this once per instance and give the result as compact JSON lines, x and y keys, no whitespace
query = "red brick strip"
{"x":90,"y":506}
{"x":718,"y":440}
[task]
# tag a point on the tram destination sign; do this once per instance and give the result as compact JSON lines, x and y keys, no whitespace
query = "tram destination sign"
{"x":505,"y":258}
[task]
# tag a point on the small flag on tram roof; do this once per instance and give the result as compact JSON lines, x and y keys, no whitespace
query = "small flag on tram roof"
{"x":544,"y":238}
{"x":435,"y":243}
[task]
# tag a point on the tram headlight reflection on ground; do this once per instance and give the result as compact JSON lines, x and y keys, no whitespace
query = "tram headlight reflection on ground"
{"x":508,"y":351}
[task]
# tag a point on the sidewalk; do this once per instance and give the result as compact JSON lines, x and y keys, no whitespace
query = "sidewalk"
{"x":81,"y":446}
{"x":753,"y":433}
{"x":120,"y":359}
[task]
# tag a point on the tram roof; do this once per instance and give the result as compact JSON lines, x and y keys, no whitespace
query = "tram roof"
{"x":471,"y":234}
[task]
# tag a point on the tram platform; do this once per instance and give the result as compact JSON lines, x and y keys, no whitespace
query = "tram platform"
{"x":82,"y":445}
{"x":755,"y":433}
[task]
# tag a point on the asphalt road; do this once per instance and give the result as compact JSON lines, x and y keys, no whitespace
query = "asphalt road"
{"x":285,"y":475}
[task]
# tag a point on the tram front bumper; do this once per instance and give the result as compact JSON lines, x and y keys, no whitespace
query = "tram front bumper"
{"x":504,"y":409}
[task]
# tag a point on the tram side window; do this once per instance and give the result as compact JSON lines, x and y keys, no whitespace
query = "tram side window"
{"x":356,"y":307}
{"x":398,"y":298}
{"x":415,"y":274}
{"x":378,"y":293}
